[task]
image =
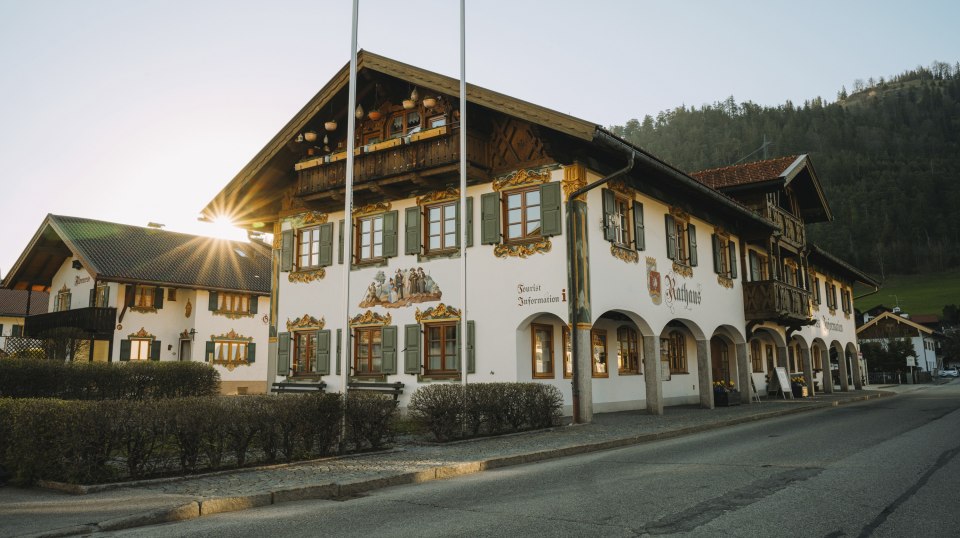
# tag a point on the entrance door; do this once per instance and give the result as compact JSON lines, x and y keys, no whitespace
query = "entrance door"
{"x":720,"y":360}
{"x":184,"y":350}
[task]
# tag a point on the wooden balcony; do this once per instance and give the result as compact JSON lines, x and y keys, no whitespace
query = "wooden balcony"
{"x":91,"y":321}
{"x":772,"y":300}
{"x":429,"y":153}
{"x":792,"y":229}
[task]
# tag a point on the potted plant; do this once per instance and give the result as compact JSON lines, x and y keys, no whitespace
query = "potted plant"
{"x":725,"y":394}
{"x":799,"y":387}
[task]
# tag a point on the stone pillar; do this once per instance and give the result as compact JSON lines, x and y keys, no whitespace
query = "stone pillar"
{"x":744,"y":373}
{"x":842,"y":359}
{"x":807,"y":369}
{"x":782,"y":360}
{"x":578,"y":280}
{"x":857,"y":381}
{"x":705,"y":374}
{"x":827,"y":373}
{"x":652,"y":374}
{"x":583,"y":354}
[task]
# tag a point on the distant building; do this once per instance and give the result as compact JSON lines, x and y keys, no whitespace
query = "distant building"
{"x":681,"y":281}
{"x":122,"y":293}
{"x":15,"y":306}
{"x":888,"y":326}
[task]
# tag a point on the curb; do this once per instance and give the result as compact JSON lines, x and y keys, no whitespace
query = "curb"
{"x":336,"y":491}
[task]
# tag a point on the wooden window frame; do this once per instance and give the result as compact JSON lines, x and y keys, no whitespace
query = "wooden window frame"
{"x":524,"y":214}
{"x":682,"y":245}
{"x":359,"y":335}
{"x":445,"y":360}
{"x":677,"y":352}
{"x":756,"y":356}
{"x":143,"y":296}
{"x":64,"y":298}
{"x":312,"y":244}
{"x":370,"y":256}
{"x":604,"y":359}
{"x":444,"y":248}
{"x":622,"y":226}
{"x":567,"y":352}
{"x":139,"y":344}
{"x":816,"y":291}
{"x":389,"y":134}
{"x":301,"y":339}
{"x":102,"y":295}
{"x":234,"y":303}
{"x":632,"y":341}
{"x":549,"y":373}
{"x":237,"y":352}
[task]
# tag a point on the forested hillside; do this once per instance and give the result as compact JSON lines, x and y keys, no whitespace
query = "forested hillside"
{"x":888,"y":155}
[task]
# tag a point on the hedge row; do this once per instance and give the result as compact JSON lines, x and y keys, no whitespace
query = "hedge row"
{"x":141,"y":380}
{"x":485,"y":408}
{"x":110,"y":440}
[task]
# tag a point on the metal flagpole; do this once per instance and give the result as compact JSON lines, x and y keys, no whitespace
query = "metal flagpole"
{"x":348,"y":219}
{"x":464,"y":329}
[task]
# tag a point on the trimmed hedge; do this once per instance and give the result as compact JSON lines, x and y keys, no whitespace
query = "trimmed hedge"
{"x":140,"y":380}
{"x":485,"y":409}
{"x":110,"y":440}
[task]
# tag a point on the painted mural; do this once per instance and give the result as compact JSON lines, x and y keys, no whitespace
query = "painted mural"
{"x":403,"y":288}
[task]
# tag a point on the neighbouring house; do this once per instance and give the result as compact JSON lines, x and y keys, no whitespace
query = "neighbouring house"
{"x":15,"y":306}
{"x":675,"y":281}
{"x":894,"y":325}
{"x":123,"y":293}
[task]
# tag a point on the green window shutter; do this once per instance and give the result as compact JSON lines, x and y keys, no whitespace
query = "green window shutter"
{"x":323,"y":352}
{"x":692,"y":241}
{"x":251,"y":352}
{"x":411,"y":227}
{"x":340,"y":241}
{"x":93,"y":296}
{"x":212,"y":299}
{"x":124,"y":350}
{"x":609,"y":203}
{"x":717,"y":259}
{"x":490,"y":218}
{"x":69,"y":300}
{"x":129,"y":296}
{"x":155,"y":350}
{"x":471,"y":346}
{"x":550,"y":200}
{"x":639,"y":234}
{"x":283,"y":354}
{"x":339,"y":338}
{"x":286,"y":250}
{"x":469,"y":221}
{"x":390,"y":234}
{"x":158,"y":298}
{"x":106,"y":296}
{"x":211,"y":348}
{"x":254,"y":300}
{"x":389,"y":339}
{"x":734,"y":262}
{"x":411,"y":351}
{"x":326,"y":244}
{"x":671,"y":226}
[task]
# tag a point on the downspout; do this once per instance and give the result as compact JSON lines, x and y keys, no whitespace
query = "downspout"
{"x":573,"y":278}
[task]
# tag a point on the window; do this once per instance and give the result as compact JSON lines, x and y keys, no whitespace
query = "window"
{"x":831,"y":296}
{"x":403,"y":123}
{"x":816,"y":290}
{"x":793,"y":353}
{"x":231,"y":352}
{"x":681,"y":241}
{"x":817,"y":358}
{"x":437,"y":121}
{"x":526,"y":214}
{"x":567,"y":353}
{"x":440,"y":351}
{"x":140,"y":349}
{"x":102,"y":296}
{"x":368,"y":350}
{"x":845,"y":300}
{"x":376,"y":237}
{"x":598,"y":346}
{"x":62,"y":302}
{"x":304,"y":352}
{"x":622,"y":220}
{"x":542,"y":342}
{"x":16,"y":330}
{"x":756,"y":357}
{"x":144,"y":296}
{"x":441,"y":227}
{"x":759,"y":267}
{"x":171,"y":294}
{"x":724,"y":256}
{"x":677,"y":352}
{"x":628,"y":355}
{"x":234,"y":303}
{"x":308,"y":248}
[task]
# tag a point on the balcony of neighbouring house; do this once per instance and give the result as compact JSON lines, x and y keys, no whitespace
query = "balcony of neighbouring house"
{"x":397,"y":163}
{"x":772,"y":300}
{"x":792,"y":228}
{"x":91,"y":321}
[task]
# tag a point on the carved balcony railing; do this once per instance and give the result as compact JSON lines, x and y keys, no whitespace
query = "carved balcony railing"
{"x":792,"y":229}
{"x":435,"y":149}
{"x":91,"y":321}
{"x":772,"y":300}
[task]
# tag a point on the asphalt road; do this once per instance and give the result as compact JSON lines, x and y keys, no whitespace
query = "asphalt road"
{"x":885,"y":467}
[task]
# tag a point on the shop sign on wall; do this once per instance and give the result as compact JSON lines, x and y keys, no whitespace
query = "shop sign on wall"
{"x":533,"y":294}
{"x":682,"y":296}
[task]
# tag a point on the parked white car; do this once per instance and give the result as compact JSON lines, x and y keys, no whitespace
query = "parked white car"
{"x":949,"y":372}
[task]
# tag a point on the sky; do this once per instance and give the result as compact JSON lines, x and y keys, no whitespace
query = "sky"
{"x":141,"y":111}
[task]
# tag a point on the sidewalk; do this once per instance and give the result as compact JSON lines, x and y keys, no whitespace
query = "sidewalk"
{"x":46,"y":512}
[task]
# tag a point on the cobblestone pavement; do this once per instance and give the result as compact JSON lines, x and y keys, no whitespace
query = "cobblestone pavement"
{"x":40,"y":512}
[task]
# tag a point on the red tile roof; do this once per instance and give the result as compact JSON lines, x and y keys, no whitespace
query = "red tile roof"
{"x":742,"y":174}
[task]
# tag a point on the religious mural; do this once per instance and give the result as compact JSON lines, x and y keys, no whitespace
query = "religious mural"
{"x":403,"y":288}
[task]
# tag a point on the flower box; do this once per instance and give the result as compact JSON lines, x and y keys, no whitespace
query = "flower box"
{"x":726,"y":398}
